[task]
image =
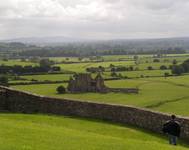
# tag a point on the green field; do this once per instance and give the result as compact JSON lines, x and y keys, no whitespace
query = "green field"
{"x":145,"y":73}
{"x":81,"y":67}
{"x":13,"y":62}
{"x":39,"y":132}
{"x":163,"y":94}
{"x":158,"y":93}
{"x":49,"y":77}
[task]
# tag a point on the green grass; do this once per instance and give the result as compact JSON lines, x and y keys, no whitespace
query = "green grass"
{"x":144,"y":66}
{"x":66,"y":59}
{"x":162,"y":94}
{"x":145,"y":73}
{"x":13,"y":62}
{"x":81,"y":67}
{"x":50,"y":77}
{"x":144,"y":62}
{"x":40,"y":132}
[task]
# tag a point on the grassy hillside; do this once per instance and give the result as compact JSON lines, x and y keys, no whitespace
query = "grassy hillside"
{"x":38,"y":132}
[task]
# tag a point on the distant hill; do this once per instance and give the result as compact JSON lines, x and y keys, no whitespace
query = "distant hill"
{"x":180,"y":41}
{"x":45,"y":40}
{"x":64,"y":46}
{"x":137,"y":44}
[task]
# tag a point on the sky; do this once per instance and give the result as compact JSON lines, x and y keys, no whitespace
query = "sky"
{"x":94,"y":19}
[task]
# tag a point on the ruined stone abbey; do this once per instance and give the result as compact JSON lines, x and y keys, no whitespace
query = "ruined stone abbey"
{"x":83,"y":82}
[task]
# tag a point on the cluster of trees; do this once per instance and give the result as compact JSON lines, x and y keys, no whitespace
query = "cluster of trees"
{"x":95,"y":69}
{"x":122,"y":68}
{"x":17,"y":69}
{"x":112,"y":69}
{"x":180,"y":69}
{"x":98,"y":48}
{"x":78,"y":52}
{"x":61,"y":89}
{"x":163,"y":67}
{"x":44,"y":66}
{"x":3,"y":80}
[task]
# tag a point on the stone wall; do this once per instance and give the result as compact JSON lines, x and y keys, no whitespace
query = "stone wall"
{"x":23,"y":102}
{"x":124,"y":90}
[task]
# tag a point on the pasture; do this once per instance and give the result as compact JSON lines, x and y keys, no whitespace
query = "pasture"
{"x":157,"y":92}
{"x":163,"y":94}
{"x":40,"y":132}
{"x":47,"y":77}
{"x":13,"y":62}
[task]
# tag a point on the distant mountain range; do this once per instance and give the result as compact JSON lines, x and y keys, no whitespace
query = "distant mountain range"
{"x":80,"y":44}
{"x":62,"y":40}
{"x":45,"y":40}
{"x":63,"y":46}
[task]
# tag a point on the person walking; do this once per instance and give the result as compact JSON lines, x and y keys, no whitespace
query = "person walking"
{"x":172,"y":128}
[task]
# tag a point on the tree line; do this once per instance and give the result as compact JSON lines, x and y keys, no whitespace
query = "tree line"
{"x":182,"y":68}
{"x":94,"y":48}
{"x":45,"y":65}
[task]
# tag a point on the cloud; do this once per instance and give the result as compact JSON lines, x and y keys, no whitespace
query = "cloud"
{"x":94,"y":19}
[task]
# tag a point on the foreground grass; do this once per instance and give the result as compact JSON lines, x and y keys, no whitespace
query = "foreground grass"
{"x":38,"y":132}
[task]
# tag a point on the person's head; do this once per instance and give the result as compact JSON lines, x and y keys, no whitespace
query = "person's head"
{"x":173,"y":117}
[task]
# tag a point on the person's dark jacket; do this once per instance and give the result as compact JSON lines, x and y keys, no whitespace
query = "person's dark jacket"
{"x":172,"y":127}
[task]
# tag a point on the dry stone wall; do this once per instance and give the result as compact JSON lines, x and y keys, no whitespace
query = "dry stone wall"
{"x":23,"y":102}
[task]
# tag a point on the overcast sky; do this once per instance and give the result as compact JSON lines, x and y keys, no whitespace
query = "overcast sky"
{"x":98,"y":19}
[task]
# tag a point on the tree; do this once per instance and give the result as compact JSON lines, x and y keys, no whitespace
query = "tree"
{"x":177,"y":70}
{"x":80,"y":58}
{"x":4,"y":80}
{"x":135,"y":57}
{"x":101,"y":69}
{"x":56,"y":68}
{"x":131,"y":68}
{"x":185,"y":65}
{"x":114,"y":74}
{"x":182,"y":68}
{"x":120,"y":75}
{"x":46,"y":63}
{"x":163,"y":67}
{"x":174,"y":62}
{"x":61,"y":89}
{"x":111,"y":66}
{"x":166,"y":74}
{"x":150,"y":68}
{"x":156,"y":60}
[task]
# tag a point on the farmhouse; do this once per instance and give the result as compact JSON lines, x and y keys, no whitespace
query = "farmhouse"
{"x":83,"y":82}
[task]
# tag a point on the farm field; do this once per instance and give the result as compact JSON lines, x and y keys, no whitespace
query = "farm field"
{"x":169,"y":57}
{"x":17,"y":62}
{"x":40,"y":132}
{"x":66,"y":59}
{"x":156,"y":91}
{"x":162,"y":94}
{"x":81,"y":67}
{"x":49,"y":77}
{"x":144,"y":73}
